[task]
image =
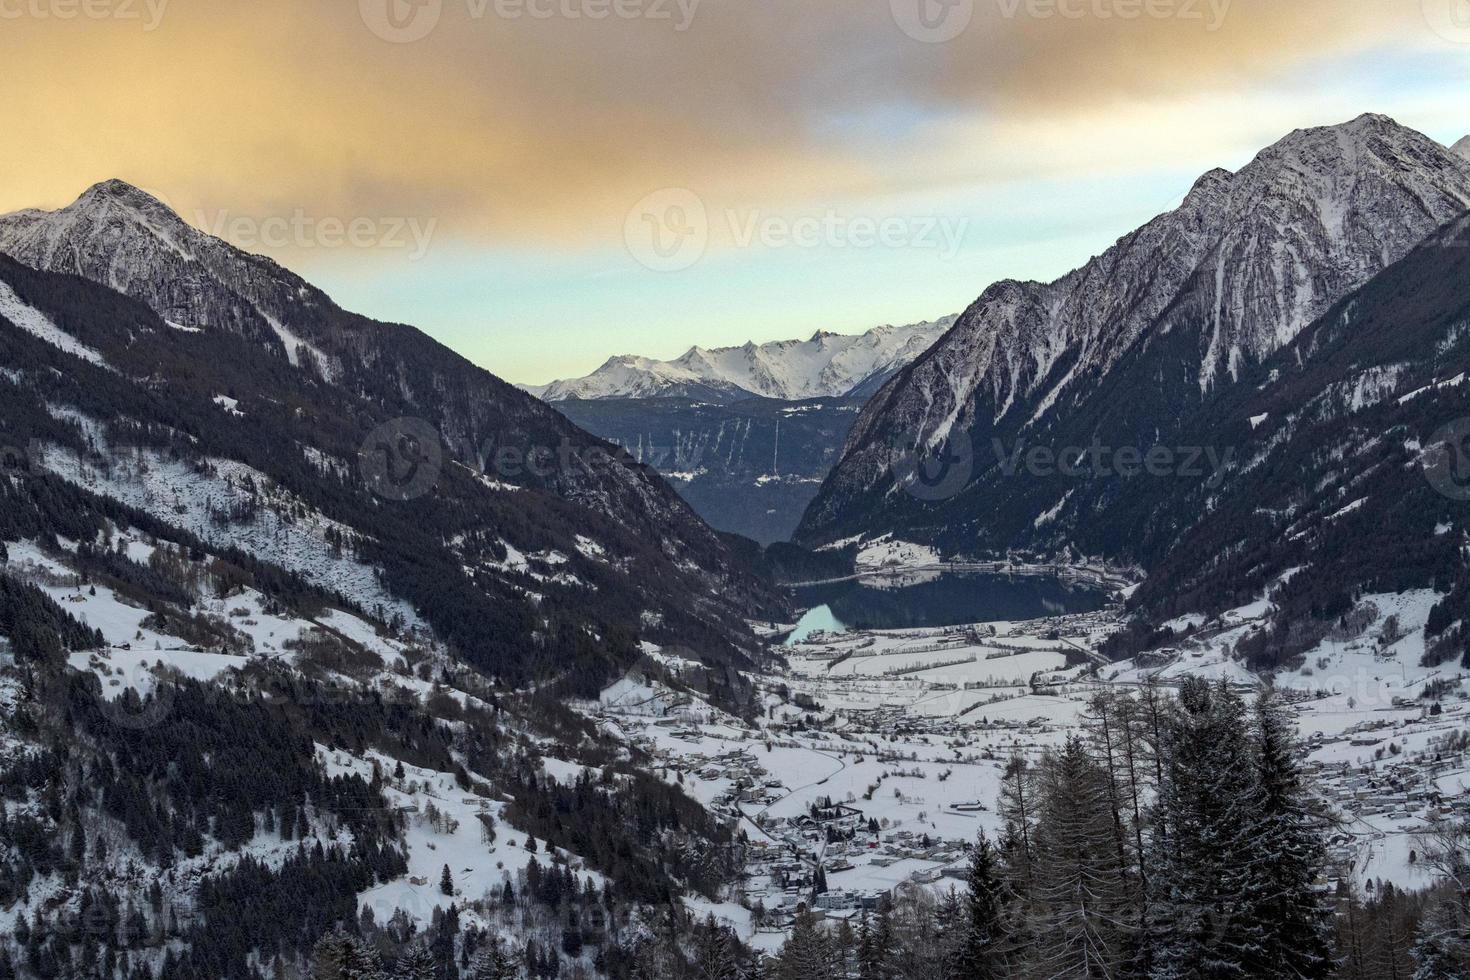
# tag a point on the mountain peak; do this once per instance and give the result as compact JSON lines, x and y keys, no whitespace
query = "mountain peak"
{"x":1214,"y":182}
{"x":119,"y":193}
{"x":829,"y":365}
{"x":119,"y":189}
{"x":1462,"y":148}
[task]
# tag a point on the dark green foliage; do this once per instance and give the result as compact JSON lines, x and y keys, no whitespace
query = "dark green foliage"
{"x":39,"y":629}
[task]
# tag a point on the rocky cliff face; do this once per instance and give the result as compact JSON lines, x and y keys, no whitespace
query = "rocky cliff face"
{"x":1152,"y":329}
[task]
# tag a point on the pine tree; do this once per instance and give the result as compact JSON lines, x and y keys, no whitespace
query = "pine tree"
{"x":982,"y":953}
{"x":1442,"y":947}
{"x":1017,"y":811}
{"x":1442,"y":944}
{"x":416,"y":962}
{"x":873,"y":943}
{"x":491,"y":962}
{"x":714,"y":955}
{"x":1202,"y":926}
{"x":1289,"y":834}
{"x":328,"y":957}
{"x":1080,"y":898}
{"x":446,"y":881}
{"x":807,"y":954}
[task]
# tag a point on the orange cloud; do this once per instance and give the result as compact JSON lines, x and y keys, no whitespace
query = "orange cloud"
{"x":502,"y":123}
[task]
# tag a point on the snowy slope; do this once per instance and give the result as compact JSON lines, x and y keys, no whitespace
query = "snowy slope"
{"x":1163,"y":321}
{"x":826,"y":366}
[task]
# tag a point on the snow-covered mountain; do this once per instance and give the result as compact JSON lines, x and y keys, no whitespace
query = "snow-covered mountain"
{"x":292,"y":605}
{"x":1144,"y":334}
{"x":828,"y":365}
{"x":233,"y":362}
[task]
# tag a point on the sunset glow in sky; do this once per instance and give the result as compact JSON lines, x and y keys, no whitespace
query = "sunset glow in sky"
{"x":493,"y":170}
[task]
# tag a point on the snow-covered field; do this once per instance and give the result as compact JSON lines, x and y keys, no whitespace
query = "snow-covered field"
{"x":916,"y":727}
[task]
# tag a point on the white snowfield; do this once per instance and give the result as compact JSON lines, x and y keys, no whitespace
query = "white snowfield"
{"x":920,"y":752}
{"x":34,"y":322}
{"x":826,"y":366}
{"x":187,"y":497}
{"x":477,"y":865}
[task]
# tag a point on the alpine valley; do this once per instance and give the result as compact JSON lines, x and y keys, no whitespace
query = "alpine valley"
{"x":1117,"y":627}
{"x":745,"y":434}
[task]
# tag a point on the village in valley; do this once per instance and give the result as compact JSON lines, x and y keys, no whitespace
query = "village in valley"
{"x":880,"y":755}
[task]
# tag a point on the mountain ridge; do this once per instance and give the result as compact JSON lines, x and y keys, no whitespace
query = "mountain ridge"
{"x":186,"y":329}
{"x":1178,"y":307}
{"x":829,"y":365}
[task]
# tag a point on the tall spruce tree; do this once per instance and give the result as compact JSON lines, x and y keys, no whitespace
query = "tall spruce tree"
{"x":1289,"y":830}
{"x":983,"y":953}
{"x":807,"y":954}
{"x":1202,"y":849}
{"x":1080,"y":900}
{"x":714,"y":953}
{"x":416,"y":962}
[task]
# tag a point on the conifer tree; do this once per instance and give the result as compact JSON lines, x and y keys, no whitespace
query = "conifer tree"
{"x":714,"y":955}
{"x":416,"y":962}
{"x":807,"y":954}
{"x":982,"y":953}
{"x":1080,"y":899}
{"x":1205,"y":859}
{"x":1288,"y":832}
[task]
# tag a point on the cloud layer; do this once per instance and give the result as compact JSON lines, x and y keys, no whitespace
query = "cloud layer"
{"x":545,"y":120}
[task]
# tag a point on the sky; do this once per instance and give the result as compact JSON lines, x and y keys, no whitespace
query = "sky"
{"x":542,"y":184}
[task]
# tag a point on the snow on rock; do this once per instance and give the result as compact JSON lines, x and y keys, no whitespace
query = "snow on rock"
{"x":34,"y":322}
{"x":826,"y":366}
{"x":889,"y":553}
{"x":191,"y":497}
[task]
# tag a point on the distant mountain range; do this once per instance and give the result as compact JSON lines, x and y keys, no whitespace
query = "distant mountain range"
{"x":828,"y":365}
{"x":745,"y":434}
